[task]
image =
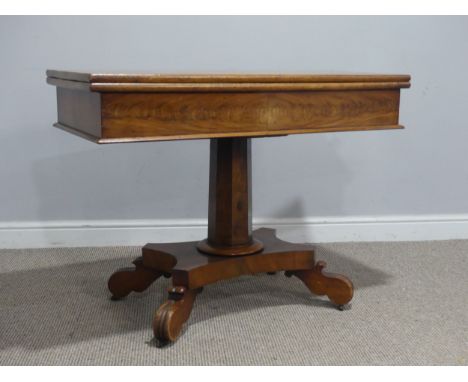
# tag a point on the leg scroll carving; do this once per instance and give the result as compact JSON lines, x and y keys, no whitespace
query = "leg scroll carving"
{"x":171,"y":316}
{"x":338,"y":288}
{"x":127,"y":280}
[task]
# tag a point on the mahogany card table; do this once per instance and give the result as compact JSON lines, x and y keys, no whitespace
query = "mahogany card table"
{"x":228,"y":109}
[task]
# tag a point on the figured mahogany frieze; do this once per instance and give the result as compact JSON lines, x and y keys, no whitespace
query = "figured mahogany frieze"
{"x":183,"y":114}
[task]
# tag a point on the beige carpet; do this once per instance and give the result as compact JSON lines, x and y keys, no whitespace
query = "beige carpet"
{"x":409,"y":308}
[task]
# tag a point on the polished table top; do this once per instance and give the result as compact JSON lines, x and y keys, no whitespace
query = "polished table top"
{"x":121,"y":107}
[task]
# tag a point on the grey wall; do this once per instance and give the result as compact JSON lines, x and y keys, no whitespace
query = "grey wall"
{"x":47,"y":174}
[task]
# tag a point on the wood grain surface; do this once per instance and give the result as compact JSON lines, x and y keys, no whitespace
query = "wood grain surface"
{"x":186,"y":115}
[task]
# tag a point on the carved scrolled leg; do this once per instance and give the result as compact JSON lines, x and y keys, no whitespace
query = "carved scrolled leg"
{"x":171,"y":316}
{"x":127,"y":280}
{"x":338,"y":288}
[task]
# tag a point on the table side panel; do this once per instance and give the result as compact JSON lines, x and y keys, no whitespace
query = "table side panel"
{"x":159,"y":116}
{"x":79,"y":112}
